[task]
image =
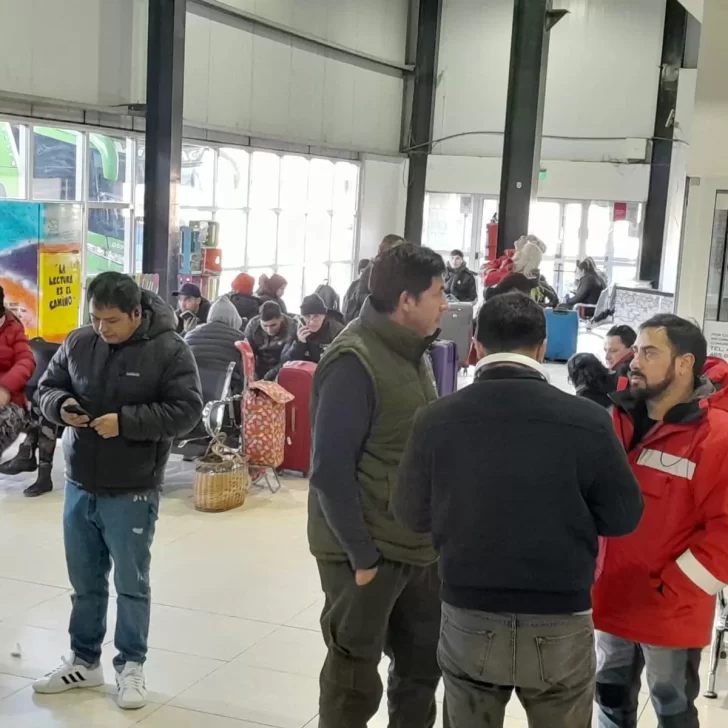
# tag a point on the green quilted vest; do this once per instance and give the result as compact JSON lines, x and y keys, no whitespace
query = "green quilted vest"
{"x":396,"y":361}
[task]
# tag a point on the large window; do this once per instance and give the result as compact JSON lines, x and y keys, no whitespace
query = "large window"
{"x":285,"y":213}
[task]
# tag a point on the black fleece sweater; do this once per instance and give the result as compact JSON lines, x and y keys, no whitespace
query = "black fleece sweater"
{"x":516,"y":479}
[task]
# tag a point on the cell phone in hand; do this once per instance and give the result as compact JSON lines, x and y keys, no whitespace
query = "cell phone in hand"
{"x":75,"y":409}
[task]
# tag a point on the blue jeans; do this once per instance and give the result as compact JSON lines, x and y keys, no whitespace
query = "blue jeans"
{"x":672,"y":676}
{"x":99,"y":529}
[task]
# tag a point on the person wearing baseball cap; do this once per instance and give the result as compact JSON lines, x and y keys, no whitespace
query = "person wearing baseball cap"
{"x":192,"y":307}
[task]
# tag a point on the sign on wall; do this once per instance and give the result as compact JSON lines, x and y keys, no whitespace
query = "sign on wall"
{"x":716,"y":334}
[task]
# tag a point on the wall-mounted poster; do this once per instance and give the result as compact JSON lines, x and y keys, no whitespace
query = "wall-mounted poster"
{"x":19,"y":234}
{"x":716,"y":334}
{"x":40,"y":265}
{"x":59,"y":270}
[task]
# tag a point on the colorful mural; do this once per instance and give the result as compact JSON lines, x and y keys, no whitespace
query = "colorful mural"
{"x":40,"y":265}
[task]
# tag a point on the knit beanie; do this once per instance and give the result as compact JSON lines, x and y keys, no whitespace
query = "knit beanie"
{"x":224,"y":311}
{"x":243,"y":283}
{"x":313,"y":304}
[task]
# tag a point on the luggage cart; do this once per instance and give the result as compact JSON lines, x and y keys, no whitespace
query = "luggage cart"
{"x":718,"y":649}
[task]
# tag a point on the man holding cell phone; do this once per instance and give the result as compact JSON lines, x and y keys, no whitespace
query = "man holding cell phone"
{"x":125,"y":388}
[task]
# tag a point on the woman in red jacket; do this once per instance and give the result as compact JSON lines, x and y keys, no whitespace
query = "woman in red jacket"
{"x":16,"y":367}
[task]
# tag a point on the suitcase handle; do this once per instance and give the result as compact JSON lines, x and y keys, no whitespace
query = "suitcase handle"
{"x":293,"y":420}
{"x":560,"y":312}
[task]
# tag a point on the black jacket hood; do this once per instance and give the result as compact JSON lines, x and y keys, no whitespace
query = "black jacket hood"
{"x":158,"y":316}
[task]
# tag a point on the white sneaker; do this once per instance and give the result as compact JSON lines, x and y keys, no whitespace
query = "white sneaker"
{"x":131,"y":686}
{"x":69,"y":676}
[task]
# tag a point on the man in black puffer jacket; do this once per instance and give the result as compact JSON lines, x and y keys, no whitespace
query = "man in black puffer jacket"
{"x":125,"y":388}
{"x":213,"y":346}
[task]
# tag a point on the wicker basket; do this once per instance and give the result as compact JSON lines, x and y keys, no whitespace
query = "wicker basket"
{"x":221,"y":482}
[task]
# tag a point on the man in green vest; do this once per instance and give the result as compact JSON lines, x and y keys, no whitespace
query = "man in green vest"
{"x":379,"y":578}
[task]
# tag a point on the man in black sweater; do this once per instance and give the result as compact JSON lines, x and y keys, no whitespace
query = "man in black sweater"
{"x":517,"y":530}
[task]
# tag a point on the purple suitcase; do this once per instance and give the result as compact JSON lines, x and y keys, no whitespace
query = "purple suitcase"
{"x":445,"y":366}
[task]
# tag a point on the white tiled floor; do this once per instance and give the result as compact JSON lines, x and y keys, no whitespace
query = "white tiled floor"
{"x":234,"y":641}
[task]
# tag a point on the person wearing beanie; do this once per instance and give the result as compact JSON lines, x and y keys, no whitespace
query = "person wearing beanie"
{"x":316,"y":330}
{"x":267,"y":333}
{"x":213,"y":345}
{"x":241,"y":296}
{"x":272,"y":288}
{"x":17,"y":365}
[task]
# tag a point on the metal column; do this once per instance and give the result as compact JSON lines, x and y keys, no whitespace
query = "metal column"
{"x":163,"y":162}
{"x":419,"y":142}
{"x":532,"y":21}
{"x":673,"y":51}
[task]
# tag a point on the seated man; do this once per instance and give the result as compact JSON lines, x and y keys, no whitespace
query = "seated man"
{"x":619,"y":349}
{"x":460,"y":282}
{"x":192,"y":307}
{"x":267,"y":334}
{"x":317,"y":328}
{"x":213,"y":344}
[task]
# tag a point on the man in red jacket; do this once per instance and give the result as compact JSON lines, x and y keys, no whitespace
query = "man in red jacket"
{"x":655,"y":600}
{"x":16,"y":367}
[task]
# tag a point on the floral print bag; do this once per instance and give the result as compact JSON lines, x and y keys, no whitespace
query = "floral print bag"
{"x":265,"y":423}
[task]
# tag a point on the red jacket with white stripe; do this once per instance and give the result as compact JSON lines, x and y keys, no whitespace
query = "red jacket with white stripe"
{"x":658,"y":585}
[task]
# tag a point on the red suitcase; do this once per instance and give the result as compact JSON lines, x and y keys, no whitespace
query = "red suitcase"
{"x":297,"y":378}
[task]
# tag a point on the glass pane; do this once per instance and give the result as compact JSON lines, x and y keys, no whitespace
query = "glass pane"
{"x":294,"y":290}
{"x":140,"y":173}
{"x":226,"y":279}
{"x":340,"y":277}
{"x":448,"y":222}
{"x":545,"y":222}
{"x":572,"y":230}
{"x":264,"y":179}
{"x":547,"y":269}
{"x":198,"y":176}
{"x":232,"y":237}
{"x":623,"y":274}
{"x":567,"y":277}
{"x":109,"y":168}
{"x":138,"y":244}
{"x":13,"y":144}
{"x":187,"y":215}
{"x":321,"y":185}
{"x":57,"y":164}
{"x":262,"y":233}
{"x":346,"y":175}
{"x":109,"y":237}
{"x":626,"y":240}
{"x":599,"y":225}
{"x":717,"y":270}
{"x":291,"y":237}
{"x":313,"y":277}
{"x":294,"y":182}
{"x":232,"y":177}
{"x":318,"y":235}
{"x":342,"y":237}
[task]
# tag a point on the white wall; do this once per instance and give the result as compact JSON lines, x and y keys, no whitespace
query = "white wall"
{"x":239,"y":79}
{"x":78,"y":51}
{"x":564,"y":180}
{"x":248,"y":81}
{"x":601,"y":91}
{"x":381,"y":202}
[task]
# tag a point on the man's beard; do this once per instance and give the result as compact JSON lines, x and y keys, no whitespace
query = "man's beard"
{"x":652,"y":391}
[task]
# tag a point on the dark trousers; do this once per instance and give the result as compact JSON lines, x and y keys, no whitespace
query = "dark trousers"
{"x":41,"y":434}
{"x":672,"y":676}
{"x":548,"y":660}
{"x":97,"y":530}
{"x":397,"y":614}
